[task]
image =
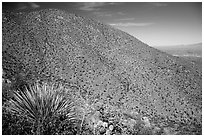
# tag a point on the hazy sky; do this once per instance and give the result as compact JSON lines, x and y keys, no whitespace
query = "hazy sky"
{"x":153,"y":23}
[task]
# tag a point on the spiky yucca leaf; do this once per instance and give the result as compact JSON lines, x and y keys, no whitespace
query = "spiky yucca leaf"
{"x":42,"y":101}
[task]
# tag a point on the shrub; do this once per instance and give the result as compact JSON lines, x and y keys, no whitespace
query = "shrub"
{"x":46,"y":106}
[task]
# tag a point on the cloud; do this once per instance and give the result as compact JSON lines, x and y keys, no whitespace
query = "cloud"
{"x":33,"y":5}
{"x":158,"y":4}
{"x":126,"y":19}
{"x":91,"y":6}
{"x":113,"y":3}
{"x":120,"y":13}
{"x":27,"y":5}
{"x":102,"y":14}
{"x":95,"y":6}
{"x":130,"y":24}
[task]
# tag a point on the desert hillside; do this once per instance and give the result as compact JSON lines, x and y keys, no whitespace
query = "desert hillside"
{"x":107,"y":68}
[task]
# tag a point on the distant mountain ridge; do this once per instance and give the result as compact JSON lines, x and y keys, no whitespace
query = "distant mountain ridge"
{"x":183,"y":50}
{"x":111,"y":67}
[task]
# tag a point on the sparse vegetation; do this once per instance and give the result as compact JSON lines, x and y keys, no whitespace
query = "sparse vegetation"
{"x":47,"y":107}
{"x":105,"y":72}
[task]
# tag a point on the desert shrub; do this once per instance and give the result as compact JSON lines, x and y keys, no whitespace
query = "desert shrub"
{"x":47,"y":107}
{"x":86,"y":129}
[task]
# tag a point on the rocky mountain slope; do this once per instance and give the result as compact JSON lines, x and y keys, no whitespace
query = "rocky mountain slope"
{"x":111,"y":67}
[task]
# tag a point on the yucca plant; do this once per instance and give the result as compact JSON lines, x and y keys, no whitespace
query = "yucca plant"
{"x":39,"y":103}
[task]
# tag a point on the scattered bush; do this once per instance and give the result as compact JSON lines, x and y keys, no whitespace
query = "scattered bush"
{"x":49,"y":109}
{"x":45,"y":106}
